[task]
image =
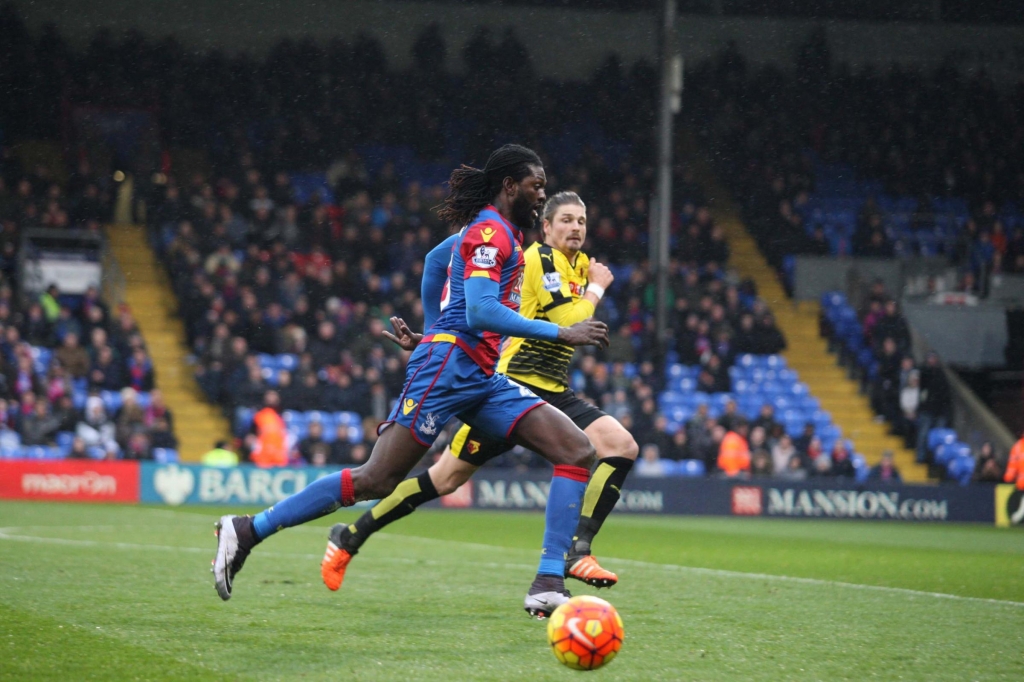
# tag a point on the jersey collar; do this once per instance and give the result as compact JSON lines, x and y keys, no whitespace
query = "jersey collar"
{"x":516,"y":232}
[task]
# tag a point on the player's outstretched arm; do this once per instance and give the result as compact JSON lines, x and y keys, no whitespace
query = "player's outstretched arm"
{"x":486,"y":313}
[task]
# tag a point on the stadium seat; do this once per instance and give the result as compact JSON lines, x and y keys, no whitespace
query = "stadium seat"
{"x":111,"y":401}
{"x":165,"y":456}
{"x":961,"y":469}
{"x":860,"y":467}
{"x":685,"y":384}
{"x":937,"y":437}
{"x":691,"y":467}
{"x":947,"y":452}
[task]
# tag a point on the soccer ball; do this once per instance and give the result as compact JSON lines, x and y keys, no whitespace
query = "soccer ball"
{"x":585,"y":633}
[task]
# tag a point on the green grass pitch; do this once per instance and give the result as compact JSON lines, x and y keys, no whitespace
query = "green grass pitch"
{"x":125,"y":593}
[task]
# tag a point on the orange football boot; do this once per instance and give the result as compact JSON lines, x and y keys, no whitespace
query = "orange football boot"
{"x":587,"y":570}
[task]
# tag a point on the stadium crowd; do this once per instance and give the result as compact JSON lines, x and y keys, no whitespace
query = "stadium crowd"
{"x":907,"y":162}
{"x":258,"y":273}
{"x":266,"y":266}
{"x":884,"y":164}
{"x":75,"y":377}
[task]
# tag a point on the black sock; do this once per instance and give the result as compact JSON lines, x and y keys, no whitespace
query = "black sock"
{"x":599,"y":499}
{"x":410,"y":493}
{"x":547,"y":583}
{"x":247,"y":537}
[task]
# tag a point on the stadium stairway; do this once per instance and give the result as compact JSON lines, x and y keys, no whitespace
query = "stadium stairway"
{"x":197,"y":423}
{"x":807,"y":352}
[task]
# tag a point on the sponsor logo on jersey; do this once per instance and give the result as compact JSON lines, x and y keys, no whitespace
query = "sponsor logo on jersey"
{"x":552,"y":281}
{"x":485,"y":256}
{"x":487,"y":233}
{"x":409,"y":406}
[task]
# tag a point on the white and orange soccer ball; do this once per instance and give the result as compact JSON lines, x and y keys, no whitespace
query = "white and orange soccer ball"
{"x":585,"y":633}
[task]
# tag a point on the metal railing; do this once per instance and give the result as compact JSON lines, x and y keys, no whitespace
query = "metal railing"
{"x":114,"y":283}
{"x":972,"y":419}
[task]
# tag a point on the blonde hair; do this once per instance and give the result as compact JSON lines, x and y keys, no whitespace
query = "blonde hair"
{"x":552,"y":205}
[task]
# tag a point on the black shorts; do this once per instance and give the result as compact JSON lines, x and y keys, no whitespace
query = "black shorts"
{"x":476,"y":447}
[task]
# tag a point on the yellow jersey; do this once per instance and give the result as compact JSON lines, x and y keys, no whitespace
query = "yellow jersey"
{"x":552,"y":290}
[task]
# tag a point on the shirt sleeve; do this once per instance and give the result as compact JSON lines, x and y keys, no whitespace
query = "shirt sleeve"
{"x":485,"y":312}
{"x":435,"y":274}
{"x":485,"y":248}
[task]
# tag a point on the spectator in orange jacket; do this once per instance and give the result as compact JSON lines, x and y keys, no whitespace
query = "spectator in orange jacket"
{"x":270,"y":444}
{"x":1015,"y":467}
{"x":734,"y":453}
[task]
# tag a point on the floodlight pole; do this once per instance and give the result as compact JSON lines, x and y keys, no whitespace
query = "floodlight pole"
{"x":661,"y":213}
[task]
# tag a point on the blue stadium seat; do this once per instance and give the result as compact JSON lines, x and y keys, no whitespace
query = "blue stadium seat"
{"x":669,"y":399}
{"x":937,"y":437}
{"x":860,"y":467}
{"x":719,"y":400}
{"x":165,"y":456}
{"x":691,"y":467}
{"x":794,"y":428}
{"x":679,"y":415}
{"x":961,"y":468}
{"x":243,"y":420}
{"x":743,"y":386}
{"x":676,"y":371}
{"x":292,"y":417}
{"x":686,"y":384}
{"x":947,"y":452}
{"x":746,"y":360}
{"x":10,"y":440}
{"x":781,"y":403}
{"x":111,"y":401}
{"x":830,"y":433}
{"x":809,"y":404}
{"x":41,"y":359}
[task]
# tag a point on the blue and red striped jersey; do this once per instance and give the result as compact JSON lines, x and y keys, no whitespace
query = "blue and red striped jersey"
{"x":489,"y":246}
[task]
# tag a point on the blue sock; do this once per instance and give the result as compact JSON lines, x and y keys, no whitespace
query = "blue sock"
{"x":319,"y":498}
{"x":561,"y":517}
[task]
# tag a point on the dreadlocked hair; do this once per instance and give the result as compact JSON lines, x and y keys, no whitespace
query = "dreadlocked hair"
{"x":471,"y":189}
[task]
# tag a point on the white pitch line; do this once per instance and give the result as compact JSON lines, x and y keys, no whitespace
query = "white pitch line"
{"x":5,"y":534}
{"x":725,"y":573}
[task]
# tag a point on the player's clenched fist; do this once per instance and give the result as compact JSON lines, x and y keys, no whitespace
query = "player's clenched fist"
{"x":600,"y":275}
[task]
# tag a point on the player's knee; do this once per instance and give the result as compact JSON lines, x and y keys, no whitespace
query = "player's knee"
{"x":625,"y":446}
{"x":581,"y":453}
{"x":447,"y":483}
{"x":373,"y":484}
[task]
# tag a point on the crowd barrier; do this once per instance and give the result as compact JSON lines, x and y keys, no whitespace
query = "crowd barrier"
{"x":190,"y":484}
